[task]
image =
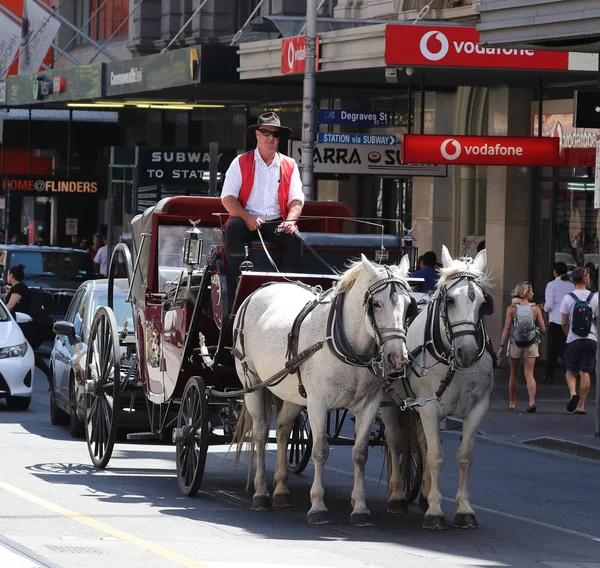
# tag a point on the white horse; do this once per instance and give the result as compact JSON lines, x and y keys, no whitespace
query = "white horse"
{"x":361,"y":325}
{"x":448,"y":334}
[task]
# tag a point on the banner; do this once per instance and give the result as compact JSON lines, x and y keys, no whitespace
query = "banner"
{"x":37,"y":34}
{"x":9,"y":43}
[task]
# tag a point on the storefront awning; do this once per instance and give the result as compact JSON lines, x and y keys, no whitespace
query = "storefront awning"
{"x":59,"y":115}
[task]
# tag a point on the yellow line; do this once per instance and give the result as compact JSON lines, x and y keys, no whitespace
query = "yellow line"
{"x":162,"y":551}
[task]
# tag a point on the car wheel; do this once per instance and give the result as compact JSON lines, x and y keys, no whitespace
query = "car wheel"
{"x":18,"y":402}
{"x":58,"y":417}
{"x":76,"y":426}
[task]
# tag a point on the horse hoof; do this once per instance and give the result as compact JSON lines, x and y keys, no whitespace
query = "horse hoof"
{"x":423,"y":504}
{"x":434,"y":523}
{"x":282,"y":501}
{"x":261,"y":503}
{"x":318,"y":518}
{"x":465,"y":521}
{"x":361,"y":520}
{"x":398,"y":507}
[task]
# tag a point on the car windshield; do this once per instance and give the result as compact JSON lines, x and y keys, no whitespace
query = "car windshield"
{"x":121,"y":308}
{"x":63,"y":265}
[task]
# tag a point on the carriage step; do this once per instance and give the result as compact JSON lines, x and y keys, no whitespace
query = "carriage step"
{"x":143,"y":436}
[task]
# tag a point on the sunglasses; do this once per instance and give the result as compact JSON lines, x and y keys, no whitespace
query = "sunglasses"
{"x":267,"y":133}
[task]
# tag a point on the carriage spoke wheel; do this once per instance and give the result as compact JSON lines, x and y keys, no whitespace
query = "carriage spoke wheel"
{"x":103,"y":386}
{"x":192,"y":436}
{"x":300,"y":444}
{"x":411,"y":466}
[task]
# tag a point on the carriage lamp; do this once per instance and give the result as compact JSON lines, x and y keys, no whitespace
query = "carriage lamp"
{"x":192,"y":249}
{"x":411,"y":250}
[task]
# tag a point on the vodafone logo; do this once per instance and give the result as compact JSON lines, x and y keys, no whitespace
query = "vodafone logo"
{"x":441,"y":52}
{"x":294,"y":55}
{"x":450,"y":156}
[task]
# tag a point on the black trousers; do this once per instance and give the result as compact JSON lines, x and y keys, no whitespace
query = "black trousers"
{"x":237,"y":235}
{"x":556,"y":347}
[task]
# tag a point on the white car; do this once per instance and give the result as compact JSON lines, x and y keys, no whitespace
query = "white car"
{"x":17,"y":361}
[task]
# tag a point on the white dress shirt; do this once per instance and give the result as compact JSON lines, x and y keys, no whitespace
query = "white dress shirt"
{"x":556,"y":290}
{"x":264,"y":197}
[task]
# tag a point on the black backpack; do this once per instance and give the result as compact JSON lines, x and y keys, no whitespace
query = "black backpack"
{"x":581,"y":321}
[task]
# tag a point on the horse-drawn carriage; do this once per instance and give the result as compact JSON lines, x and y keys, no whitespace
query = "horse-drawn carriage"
{"x":179,"y":353}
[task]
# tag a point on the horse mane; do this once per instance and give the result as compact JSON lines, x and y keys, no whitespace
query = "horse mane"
{"x":465,"y":264}
{"x":356,"y":268}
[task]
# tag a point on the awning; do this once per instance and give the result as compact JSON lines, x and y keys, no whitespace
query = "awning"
{"x":59,"y":115}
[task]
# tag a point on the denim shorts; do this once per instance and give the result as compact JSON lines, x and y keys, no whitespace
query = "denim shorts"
{"x":580,"y":355}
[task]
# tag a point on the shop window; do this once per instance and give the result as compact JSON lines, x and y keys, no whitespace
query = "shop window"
{"x":111,"y":14}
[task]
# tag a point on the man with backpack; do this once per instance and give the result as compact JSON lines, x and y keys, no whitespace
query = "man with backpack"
{"x":579,"y":310}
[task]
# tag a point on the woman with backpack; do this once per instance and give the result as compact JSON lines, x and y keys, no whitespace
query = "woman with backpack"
{"x":523,"y":320}
{"x":18,"y":300}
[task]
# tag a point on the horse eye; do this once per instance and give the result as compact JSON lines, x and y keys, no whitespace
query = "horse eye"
{"x":450,"y":300}
{"x":377,"y":305}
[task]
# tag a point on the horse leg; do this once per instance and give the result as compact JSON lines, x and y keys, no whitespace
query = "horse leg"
{"x":317,"y":414}
{"x":363,"y":421}
{"x":285,"y":421}
{"x":434,"y":516}
{"x":256,"y":403}
{"x":465,"y":516}
{"x":397,"y":503}
{"x":426,"y":487}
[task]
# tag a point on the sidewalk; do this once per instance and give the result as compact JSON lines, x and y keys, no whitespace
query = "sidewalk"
{"x":551,"y":426}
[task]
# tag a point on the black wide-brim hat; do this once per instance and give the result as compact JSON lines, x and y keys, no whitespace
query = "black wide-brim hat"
{"x":270,"y":119}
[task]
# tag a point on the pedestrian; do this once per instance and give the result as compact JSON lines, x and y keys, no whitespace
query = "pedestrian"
{"x":96,"y":245}
{"x":40,"y":239}
{"x":556,"y":290}
{"x":2,"y":236}
{"x":579,"y":312}
{"x":429,"y":273}
{"x":262,"y":190}
{"x":101,"y":259}
{"x":18,"y":299}
{"x":593,"y":272}
{"x":523,"y":339}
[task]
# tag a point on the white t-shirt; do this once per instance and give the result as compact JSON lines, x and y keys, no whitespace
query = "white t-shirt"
{"x":567,"y":308}
{"x":264,"y":197}
{"x":101,"y":258}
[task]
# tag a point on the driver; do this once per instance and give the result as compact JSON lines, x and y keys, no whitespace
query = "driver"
{"x":262,"y":190}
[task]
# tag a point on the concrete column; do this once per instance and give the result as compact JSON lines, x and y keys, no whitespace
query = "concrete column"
{"x":284,"y":8}
{"x":144,"y":27}
{"x":170,"y":22}
{"x":433,"y":198}
{"x":508,"y":204}
{"x":214,"y":20}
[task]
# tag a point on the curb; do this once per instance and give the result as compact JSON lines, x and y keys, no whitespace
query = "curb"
{"x":565,"y":446}
{"x":454,"y":423}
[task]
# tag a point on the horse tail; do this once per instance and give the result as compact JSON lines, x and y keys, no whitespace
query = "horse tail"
{"x":243,"y":438}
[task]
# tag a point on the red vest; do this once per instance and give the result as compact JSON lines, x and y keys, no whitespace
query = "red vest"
{"x":286,"y":168}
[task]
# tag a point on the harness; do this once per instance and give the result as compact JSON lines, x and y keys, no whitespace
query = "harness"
{"x":338,"y":342}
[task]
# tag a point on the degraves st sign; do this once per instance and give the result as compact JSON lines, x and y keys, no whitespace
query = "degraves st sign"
{"x":355,"y":117}
{"x":480,"y":150}
{"x":178,"y":166}
{"x":458,"y":46}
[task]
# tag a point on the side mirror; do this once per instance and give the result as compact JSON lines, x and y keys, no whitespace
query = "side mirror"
{"x":64,"y":328}
{"x":20,"y":317}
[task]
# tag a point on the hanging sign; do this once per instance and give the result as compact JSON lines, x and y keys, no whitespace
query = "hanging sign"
{"x":480,"y":150}
{"x":364,"y":118}
{"x":367,"y":139}
{"x":293,"y":55}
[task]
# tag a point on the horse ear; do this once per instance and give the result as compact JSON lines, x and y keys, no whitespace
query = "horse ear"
{"x":446,"y":258}
{"x":405,"y":265}
{"x":369,"y":268}
{"x":480,"y":261}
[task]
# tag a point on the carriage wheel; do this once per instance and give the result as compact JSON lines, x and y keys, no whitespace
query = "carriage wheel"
{"x":103,"y":387}
{"x":300,"y":444}
{"x":192,"y":436}
{"x":411,"y":465}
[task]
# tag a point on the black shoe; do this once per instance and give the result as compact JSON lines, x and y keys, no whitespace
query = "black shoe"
{"x":548,"y":380}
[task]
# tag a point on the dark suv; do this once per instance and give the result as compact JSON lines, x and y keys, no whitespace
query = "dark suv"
{"x":57,"y":271}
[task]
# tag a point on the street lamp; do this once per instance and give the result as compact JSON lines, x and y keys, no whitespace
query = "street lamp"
{"x":192,"y":249}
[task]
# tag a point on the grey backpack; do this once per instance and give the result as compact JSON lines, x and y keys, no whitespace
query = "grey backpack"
{"x":523,"y":330}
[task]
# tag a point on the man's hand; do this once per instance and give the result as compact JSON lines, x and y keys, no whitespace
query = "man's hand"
{"x":253,"y":222}
{"x":288,"y":227}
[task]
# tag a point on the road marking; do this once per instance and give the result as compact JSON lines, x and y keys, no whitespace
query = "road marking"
{"x":157,"y":549}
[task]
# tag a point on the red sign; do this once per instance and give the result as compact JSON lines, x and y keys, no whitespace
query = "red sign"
{"x":459,"y":47}
{"x":480,"y":150}
{"x":293,"y":55}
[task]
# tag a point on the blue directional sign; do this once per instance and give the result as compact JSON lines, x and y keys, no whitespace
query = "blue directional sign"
{"x":364,"y":139}
{"x":366,"y":118}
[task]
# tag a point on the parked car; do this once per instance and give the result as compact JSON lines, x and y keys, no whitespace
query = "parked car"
{"x":57,"y":271}
{"x":17,"y":364}
{"x":67,"y":395}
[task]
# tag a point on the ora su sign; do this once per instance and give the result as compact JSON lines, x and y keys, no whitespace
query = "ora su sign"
{"x":480,"y":150}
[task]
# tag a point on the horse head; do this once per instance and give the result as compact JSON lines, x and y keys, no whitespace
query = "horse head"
{"x":463,"y":302}
{"x":387,"y":304}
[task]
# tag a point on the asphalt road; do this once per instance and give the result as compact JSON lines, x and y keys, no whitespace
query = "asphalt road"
{"x":535,"y":508}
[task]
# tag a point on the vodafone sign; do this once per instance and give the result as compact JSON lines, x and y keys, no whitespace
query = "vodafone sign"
{"x":480,"y":150}
{"x":293,"y":55}
{"x":451,"y":46}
